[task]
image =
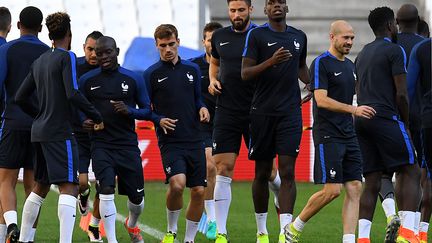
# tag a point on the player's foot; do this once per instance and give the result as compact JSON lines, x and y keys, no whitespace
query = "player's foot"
{"x":406,"y":236}
{"x":221,"y":238}
{"x":262,"y":238}
{"x":363,"y":240}
{"x":291,"y":234}
{"x":423,"y":237}
{"x":12,"y":234}
{"x":211,"y":230}
{"x":134,"y":233}
{"x":94,"y":234}
{"x":83,"y":202}
{"x":169,"y":237}
{"x":281,"y":238}
{"x":393,"y":224}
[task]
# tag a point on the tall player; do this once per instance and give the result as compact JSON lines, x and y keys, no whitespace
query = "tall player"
{"x":275,"y":55}
{"x":207,"y":128}
{"x":234,"y":97}
{"x":16,"y":149}
{"x":53,"y":78}
{"x":385,"y":142}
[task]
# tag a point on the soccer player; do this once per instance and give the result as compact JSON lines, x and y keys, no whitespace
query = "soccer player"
{"x":16,"y":149}
{"x":174,"y":88}
{"x":337,"y":153}
{"x":207,"y":128}
{"x":85,"y":64}
{"x":53,"y":78}
{"x":5,"y":24}
{"x":275,"y":55}
{"x":384,"y":141}
{"x":419,"y":71}
{"x":234,"y":98}
{"x":116,"y":92}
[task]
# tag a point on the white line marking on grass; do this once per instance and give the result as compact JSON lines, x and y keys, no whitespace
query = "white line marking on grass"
{"x":144,"y":228}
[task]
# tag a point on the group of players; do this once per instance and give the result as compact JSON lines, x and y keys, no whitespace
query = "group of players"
{"x":60,"y":111}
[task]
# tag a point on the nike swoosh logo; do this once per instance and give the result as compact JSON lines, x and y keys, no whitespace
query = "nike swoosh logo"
{"x":337,"y":74}
{"x":271,"y":44}
{"x":140,"y":190}
{"x":160,"y":80}
{"x":218,"y":200}
{"x":93,"y":88}
{"x":223,"y":43}
{"x":106,"y":216}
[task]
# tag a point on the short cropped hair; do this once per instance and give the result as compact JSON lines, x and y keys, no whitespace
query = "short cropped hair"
{"x":5,"y":18}
{"x":248,"y":2}
{"x":94,"y":35}
{"x":210,"y":27}
{"x":379,"y":17}
{"x":164,"y":31}
{"x":31,"y":18}
{"x":58,"y":25}
{"x":423,"y":28}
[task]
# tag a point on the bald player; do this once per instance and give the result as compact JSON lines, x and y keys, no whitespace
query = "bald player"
{"x":338,"y":159}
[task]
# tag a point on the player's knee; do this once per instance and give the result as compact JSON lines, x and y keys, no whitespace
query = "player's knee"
{"x":262,"y":175}
{"x":136,"y":199}
{"x":332,"y":192}
{"x":107,"y":190}
{"x":176,"y":188}
{"x":197,"y":193}
{"x":354,"y":189}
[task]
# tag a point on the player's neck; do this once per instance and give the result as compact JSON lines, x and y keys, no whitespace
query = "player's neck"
{"x":28,"y":32}
{"x":278,"y":26}
{"x":335,"y":53}
{"x":63,"y":44}
{"x":3,"y":34}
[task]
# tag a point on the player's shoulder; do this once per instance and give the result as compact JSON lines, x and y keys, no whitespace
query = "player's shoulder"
{"x":90,"y":74}
{"x":81,"y":60}
{"x":296,"y":31}
{"x":221,"y":32}
{"x":189,"y":64}
{"x":152,"y":68}
{"x":129,"y":73}
{"x":198,"y":60}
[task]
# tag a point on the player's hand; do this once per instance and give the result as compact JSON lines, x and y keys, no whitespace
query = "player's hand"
{"x":204,"y":115}
{"x":280,"y":55}
{"x":120,"y":107}
{"x":99,"y":126}
{"x":215,"y":88}
{"x":88,"y":125}
{"x":168,"y":124}
{"x":364,"y":111}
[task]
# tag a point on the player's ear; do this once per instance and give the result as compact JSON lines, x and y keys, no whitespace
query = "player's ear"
{"x":265,"y":10}
{"x":18,"y":25}
{"x":118,"y":51}
{"x":286,"y":9}
{"x":40,"y":28}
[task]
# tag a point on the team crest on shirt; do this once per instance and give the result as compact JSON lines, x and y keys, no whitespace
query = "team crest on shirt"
{"x":296,"y":45}
{"x":190,"y":77}
{"x":124,"y":87}
{"x":332,"y":173}
{"x":168,"y":170}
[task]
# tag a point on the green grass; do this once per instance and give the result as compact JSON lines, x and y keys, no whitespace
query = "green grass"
{"x":324,"y":227}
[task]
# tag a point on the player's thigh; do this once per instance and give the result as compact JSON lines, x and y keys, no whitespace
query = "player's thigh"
{"x":103,"y":163}
{"x":16,"y":149}
{"x":288,"y":134}
{"x":352,"y":163}
{"x":262,"y":137}
{"x":227,"y":132}
{"x":196,"y":174}
{"x":130,"y":175}
{"x":328,"y":163}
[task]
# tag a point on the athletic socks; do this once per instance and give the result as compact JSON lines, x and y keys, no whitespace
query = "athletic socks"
{"x":108,"y":213}
{"x":409,"y":220}
{"x":191,"y":230}
{"x":172,"y":218}
{"x":417,"y":223}
{"x":364,"y":228}
{"x":389,"y":207}
{"x":209,"y":206}
{"x":66,"y":214}
{"x":32,"y":234}
{"x":10,"y":217}
{"x":94,"y":221}
{"x":284,"y":219}
{"x":298,"y":224}
{"x":134,"y":212}
{"x":348,"y":238}
{"x":222,"y":196}
{"x":261,"y":221}
{"x":424,"y":227}
{"x":30,"y":212}
{"x":275,"y":185}
{"x":3,"y":231}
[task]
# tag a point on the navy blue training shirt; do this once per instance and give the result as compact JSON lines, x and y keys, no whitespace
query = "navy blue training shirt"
{"x":53,"y":77}
{"x":339,"y":79}
{"x":102,"y":86}
{"x":376,"y":64}
{"x":175,"y":92}
{"x":209,"y":100}
{"x":227,"y":47}
{"x":16,"y":57}
{"x":2,"y":41}
{"x":408,"y":41}
{"x":277,"y":89}
{"x":419,"y":71}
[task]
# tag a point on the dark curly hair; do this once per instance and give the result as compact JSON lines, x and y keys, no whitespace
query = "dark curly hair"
{"x":58,"y":25}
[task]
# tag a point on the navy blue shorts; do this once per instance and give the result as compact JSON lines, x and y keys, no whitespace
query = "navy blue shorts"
{"x":84,"y":149}
{"x":57,"y":162}
{"x":16,"y":149}
{"x":125,"y":164}
{"x":206,"y":136}
{"x":188,"y":161}
{"x":384,"y":143}
{"x":228,"y":131}
{"x":337,"y":162}
{"x":417,"y":139}
{"x":427,"y":148}
{"x":271,"y":135}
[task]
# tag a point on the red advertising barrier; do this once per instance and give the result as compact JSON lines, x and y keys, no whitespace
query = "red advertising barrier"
{"x":244,"y":169}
